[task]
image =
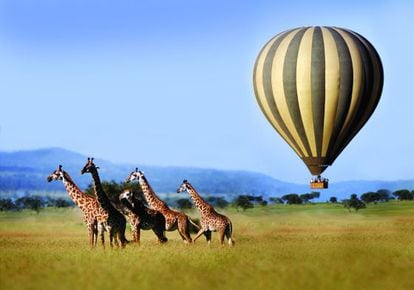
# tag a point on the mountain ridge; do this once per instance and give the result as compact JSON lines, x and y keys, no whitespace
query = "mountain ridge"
{"x":26,"y":170}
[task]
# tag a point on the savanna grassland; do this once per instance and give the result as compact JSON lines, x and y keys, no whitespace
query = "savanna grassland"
{"x":317,"y":246}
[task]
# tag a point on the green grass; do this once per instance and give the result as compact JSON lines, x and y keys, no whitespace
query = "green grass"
{"x":319,"y":246}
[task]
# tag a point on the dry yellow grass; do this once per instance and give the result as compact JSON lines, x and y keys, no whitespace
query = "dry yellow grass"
{"x":277,"y":247}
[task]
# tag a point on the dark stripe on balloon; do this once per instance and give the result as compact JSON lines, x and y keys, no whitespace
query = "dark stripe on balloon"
{"x":369,"y":93}
{"x":256,"y":93}
{"x":376,"y":78}
{"x":318,"y":87}
{"x":345,"y":89}
{"x":267,"y":85}
{"x":361,"y":108}
{"x":290,"y":90}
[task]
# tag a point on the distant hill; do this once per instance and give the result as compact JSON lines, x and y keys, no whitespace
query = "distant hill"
{"x":27,"y":171}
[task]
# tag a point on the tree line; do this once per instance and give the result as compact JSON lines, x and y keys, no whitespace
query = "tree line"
{"x":244,"y":202}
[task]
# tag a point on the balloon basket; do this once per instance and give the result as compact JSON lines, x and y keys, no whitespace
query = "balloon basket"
{"x":319,"y":184}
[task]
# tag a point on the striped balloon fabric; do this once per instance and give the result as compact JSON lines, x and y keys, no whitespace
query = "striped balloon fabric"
{"x":318,"y":86}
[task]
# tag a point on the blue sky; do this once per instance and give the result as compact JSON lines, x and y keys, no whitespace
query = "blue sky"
{"x":170,"y":82}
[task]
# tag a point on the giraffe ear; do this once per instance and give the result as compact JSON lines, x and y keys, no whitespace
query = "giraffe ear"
{"x":97,"y":167}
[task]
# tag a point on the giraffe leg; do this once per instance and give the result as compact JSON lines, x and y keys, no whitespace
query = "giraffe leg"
{"x":135,"y":233}
{"x":200,"y":232}
{"x":159,"y":232}
{"x":221,"y":235}
{"x":184,"y":229}
{"x":182,"y":236}
{"x":95,"y":234}
{"x":123,"y":244}
{"x":90,"y":235}
{"x":138,"y":235}
{"x":207,"y":234}
{"x":111,"y":237}
{"x":117,"y":238}
{"x":101,"y":231}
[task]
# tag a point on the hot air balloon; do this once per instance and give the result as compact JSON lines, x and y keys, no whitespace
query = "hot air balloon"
{"x":318,"y":86}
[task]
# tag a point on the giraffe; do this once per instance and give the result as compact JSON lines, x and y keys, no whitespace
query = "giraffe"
{"x":174,"y":220}
{"x":116,"y":222}
{"x":143,"y":217}
{"x":93,"y":214}
{"x":211,"y":220}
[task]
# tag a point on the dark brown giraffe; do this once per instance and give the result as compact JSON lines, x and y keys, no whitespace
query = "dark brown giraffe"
{"x":143,"y":217}
{"x":93,"y":214}
{"x":116,"y":222}
{"x":174,"y":220}
{"x":211,"y":220}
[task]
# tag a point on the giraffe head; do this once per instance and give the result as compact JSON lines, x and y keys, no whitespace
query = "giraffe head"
{"x":58,"y":174}
{"x":127,"y":194}
{"x":185,"y":186}
{"x":89,"y":166}
{"x":135,"y":175}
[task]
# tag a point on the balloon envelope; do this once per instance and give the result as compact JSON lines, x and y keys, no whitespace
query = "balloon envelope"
{"x":318,"y":86}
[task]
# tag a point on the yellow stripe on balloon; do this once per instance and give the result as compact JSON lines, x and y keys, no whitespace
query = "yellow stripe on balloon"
{"x":278,"y":89}
{"x":332,"y":81}
{"x":357,"y":79}
{"x":261,"y":96}
{"x":303,"y":86}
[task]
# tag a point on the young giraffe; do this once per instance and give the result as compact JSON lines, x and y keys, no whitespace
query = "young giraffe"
{"x":116,"y":222}
{"x":93,"y":214}
{"x":211,"y":220}
{"x":143,"y":217}
{"x":173,"y":219}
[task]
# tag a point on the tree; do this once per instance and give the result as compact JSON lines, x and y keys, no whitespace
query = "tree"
{"x":276,"y":200}
{"x":114,"y":189}
{"x":61,"y":202}
{"x":6,"y":204}
{"x":243,"y":201}
{"x":384,"y":194}
{"x":30,"y":202}
{"x":258,"y":200}
{"x":306,"y":197}
{"x":184,"y":203}
{"x":370,"y":197}
{"x":315,"y":194}
{"x":353,"y":202}
{"x":219,"y":201}
{"x":333,"y":199}
{"x":404,"y":194}
{"x":292,"y":198}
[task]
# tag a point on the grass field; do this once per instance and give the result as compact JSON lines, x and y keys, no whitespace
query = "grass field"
{"x":319,"y":246}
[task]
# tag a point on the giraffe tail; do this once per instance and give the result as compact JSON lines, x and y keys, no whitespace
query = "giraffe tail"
{"x":124,"y":241}
{"x":229,"y":234}
{"x":193,"y":223}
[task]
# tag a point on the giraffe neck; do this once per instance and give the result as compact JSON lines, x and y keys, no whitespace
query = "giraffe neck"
{"x":127,"y":204}
{"x":100,"y":193}
{"x":152,"y":200}
{"x":137,"y":208}
{"x":73,"y":190}
{"x":199,"y":202}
